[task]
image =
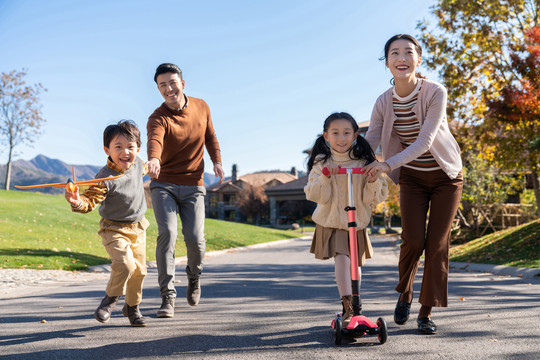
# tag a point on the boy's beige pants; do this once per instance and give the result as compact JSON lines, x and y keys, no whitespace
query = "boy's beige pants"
{"x":126,"y":245}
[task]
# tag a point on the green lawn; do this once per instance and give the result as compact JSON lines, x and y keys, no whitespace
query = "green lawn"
{"x":517,"y":246}
{"x":39,"y":231}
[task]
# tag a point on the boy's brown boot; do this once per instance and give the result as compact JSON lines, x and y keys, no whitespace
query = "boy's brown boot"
{"x":348,"y":312}
{"x":104,"y":310}
{"x":134,"y":315}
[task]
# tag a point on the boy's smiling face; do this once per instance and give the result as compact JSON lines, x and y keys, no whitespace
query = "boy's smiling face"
{"x":122,"y":151}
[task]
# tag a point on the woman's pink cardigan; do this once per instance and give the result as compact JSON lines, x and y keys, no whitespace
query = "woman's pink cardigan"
{"x":434,"y":135}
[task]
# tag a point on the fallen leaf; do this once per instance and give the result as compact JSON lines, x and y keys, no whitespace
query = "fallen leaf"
{"x":462,"y":298}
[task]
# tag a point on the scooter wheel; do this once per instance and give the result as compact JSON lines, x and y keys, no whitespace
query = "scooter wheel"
{"x":338,"y":324}
{"x":383,"y":331}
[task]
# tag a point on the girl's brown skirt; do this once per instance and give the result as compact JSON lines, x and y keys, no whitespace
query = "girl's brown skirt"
{"x":328,"y":242}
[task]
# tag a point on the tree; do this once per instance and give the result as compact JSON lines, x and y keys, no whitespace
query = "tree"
{"x":20,"y":113}
{"x":469,"y":46}
{"x":484,"y":187}
{"x":253,"y":203}
{"x":512,"y":124}
{"x":390,"y":206}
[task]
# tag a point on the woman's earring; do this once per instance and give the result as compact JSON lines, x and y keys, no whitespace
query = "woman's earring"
{"x":327,"y":144}
{"x":354,"y":142}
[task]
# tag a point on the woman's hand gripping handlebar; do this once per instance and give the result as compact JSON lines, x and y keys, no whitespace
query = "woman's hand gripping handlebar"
{"x":328,"y":171}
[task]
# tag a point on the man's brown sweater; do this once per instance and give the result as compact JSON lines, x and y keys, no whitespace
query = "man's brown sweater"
{"x":178,"y":138}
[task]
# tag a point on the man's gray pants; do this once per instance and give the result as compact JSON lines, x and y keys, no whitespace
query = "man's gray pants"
{"x":168,"y":200}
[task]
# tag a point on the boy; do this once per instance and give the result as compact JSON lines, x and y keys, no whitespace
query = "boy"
{"x":123,"y":225}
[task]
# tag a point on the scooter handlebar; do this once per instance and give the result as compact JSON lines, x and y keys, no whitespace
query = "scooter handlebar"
{"x":326,"y":172}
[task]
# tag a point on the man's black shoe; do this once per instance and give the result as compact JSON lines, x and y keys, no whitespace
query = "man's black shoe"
{"x":193,"y":293}
{"x":167,"y":307}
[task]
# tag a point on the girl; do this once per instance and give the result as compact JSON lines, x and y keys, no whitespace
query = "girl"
{"x":340,"y":145}
{"x":419,"y":152}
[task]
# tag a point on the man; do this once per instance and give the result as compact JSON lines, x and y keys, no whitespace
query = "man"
{"x":177,"y":132}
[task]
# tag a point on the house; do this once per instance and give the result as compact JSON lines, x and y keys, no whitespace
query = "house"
{"x":288,"y":202}
{"x":221,"y":199}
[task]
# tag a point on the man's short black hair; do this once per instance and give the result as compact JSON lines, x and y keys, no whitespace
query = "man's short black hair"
{"x":167,"y":68}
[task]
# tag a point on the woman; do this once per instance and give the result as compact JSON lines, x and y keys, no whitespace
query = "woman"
{"x":419,"y":152}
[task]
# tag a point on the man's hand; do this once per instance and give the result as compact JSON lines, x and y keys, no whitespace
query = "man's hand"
{"x":154,"y":167}
{"x":218,"y":171}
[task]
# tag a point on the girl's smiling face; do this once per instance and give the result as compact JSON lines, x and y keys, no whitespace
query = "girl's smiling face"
{"x":340,"y":135}
{"x":403,"y":59}
{"x":122,"y":151}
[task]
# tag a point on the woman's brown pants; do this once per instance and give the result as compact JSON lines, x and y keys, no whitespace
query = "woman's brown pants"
{"x":422,"y":192}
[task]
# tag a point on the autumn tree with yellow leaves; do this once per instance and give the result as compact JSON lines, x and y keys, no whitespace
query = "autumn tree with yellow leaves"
{"x":475,"y":46}
{"x":512,"y":124}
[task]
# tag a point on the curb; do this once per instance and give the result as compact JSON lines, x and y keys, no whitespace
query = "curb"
{"x":497,"y":269}
{"x":183,"y":259}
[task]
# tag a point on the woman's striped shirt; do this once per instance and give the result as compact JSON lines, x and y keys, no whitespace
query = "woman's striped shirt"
{"x":407,"y":127}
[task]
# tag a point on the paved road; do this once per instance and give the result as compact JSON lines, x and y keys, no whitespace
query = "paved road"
{"x":275,"y":302}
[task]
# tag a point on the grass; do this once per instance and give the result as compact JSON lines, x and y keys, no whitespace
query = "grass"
{"x":518,"y":246}
{"x":39,"y":231}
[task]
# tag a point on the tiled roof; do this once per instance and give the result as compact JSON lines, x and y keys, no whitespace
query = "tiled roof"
{"x":261,"y":178}
{"x":256,"y":179}
{"x":297,"y":184}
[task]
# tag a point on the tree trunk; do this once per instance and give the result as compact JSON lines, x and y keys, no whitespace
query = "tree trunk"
{"x":536,"y":188}
{"x":387,"y":221}
{"x":8,"y":169}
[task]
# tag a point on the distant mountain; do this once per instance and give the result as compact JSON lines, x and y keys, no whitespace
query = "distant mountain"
{"x":58,"y":167}
{"x":43,"y":169}
{"x":210,"y":179}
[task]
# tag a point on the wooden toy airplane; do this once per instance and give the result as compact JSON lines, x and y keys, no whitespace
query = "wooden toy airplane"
{"x":70,"y":184}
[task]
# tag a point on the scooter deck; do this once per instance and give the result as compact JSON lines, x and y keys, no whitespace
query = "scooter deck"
{"x":359,"y":326}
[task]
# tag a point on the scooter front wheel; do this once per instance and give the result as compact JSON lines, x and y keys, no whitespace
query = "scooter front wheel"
{"x":338,"y":325}
{"x":383,"y":331}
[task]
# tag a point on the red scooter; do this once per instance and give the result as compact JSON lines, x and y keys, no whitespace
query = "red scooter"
{"x":359,"y":325}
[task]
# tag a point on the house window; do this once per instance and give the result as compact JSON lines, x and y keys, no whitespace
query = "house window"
{"x":213,"y":200}
{"x":230,"y":199}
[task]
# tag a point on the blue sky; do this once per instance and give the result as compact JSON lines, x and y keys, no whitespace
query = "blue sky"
{"x":271,"y":71}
